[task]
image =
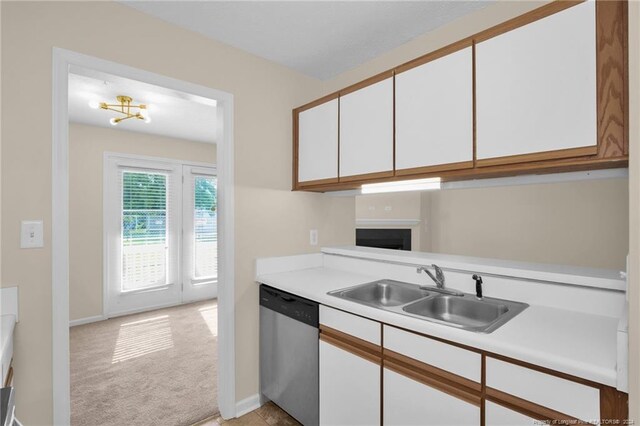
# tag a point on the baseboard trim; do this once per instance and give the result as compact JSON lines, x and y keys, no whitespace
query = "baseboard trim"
{"x":248,"y":404}
{"x":87,"y":320}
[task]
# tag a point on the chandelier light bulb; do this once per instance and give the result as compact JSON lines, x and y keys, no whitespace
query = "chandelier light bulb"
{"x":113,"y":122}
{"x":94,"y":104}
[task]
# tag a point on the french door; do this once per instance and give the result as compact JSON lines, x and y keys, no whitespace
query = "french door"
{"x":160,"y":226}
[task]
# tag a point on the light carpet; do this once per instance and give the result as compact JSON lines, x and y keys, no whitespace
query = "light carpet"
{"x":154,"y":368}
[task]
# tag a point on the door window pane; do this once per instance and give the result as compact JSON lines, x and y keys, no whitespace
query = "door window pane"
{"x":205,"y":227}
{"x":144,"y":230}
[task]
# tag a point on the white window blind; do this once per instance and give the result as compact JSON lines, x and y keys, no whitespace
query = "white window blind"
{"x":145,"y":218}
{"x":205,"y":223}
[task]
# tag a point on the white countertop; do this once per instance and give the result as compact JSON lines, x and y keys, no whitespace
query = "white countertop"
{"x":575,"y":343}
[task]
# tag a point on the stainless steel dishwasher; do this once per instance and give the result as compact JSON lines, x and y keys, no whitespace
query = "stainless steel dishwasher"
{"x":289,"y":353}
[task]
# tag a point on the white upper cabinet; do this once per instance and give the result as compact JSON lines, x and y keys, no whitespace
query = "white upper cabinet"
{"x":434,"y":113}
{"x":318,"y":142}
{"x":536,"y":88}
{"x":366,"y":130}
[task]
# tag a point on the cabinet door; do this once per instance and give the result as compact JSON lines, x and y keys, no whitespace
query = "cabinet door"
{"x":318,"y":143}
{"x":366,"y":131}
{"x":349,"y":388}
{"x":497,"y":415}
{"x":434,"y":115}
{"x":408,"y":402}
{"x":536,"y":90}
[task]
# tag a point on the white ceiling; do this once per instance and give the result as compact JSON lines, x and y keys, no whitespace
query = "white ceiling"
{"x":173,"y":114}
{"x":318,"y":38}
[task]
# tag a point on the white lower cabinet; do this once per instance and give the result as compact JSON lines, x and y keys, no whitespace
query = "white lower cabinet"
{"x":349,"y":388}
{"x":497,"y":415}
{"x":408,"y":402}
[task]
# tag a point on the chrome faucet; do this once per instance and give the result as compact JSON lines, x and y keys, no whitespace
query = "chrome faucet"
{"x":439,"y":279}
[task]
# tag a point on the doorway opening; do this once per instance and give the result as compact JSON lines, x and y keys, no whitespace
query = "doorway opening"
{"x":196,"y":239}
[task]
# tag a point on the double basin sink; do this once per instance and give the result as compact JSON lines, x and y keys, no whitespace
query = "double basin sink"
{"x":465,"y":312}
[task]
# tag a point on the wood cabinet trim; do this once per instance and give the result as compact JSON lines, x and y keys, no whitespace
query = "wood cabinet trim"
{"x":612,"y":78}
{"x":543,"y":167}
{"x":317,"y":182}
{"x":365,"y":83}
{"x":527,"y":408}
{"x":435,"y":168}
{"x":538,"y":156}
{"x":351,"y":344}
{"x":427,"y":370}
{"x":295,"y":118}
{"x":613,"y":404}
{"x":317,"y":102}
{"x":443,"y":386}
{"x":366,"y":177}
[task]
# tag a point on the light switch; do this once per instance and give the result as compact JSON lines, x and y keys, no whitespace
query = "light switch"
{"x":31,"y":234}
{"x":313,"y":237}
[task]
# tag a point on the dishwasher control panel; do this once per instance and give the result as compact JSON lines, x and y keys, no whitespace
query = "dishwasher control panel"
{"x":290,"y":305}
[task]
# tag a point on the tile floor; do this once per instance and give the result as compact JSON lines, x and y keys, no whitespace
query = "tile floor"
{"x":267,"y":415}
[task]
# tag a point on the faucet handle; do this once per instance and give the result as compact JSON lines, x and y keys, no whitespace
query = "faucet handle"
{"x":478,"y":280}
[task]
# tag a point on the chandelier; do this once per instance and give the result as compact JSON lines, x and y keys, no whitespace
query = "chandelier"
{"x":124,"y":107}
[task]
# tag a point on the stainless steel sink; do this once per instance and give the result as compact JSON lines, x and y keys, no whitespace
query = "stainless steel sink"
{"x":382,"y":293}
{"x":465,"y":312}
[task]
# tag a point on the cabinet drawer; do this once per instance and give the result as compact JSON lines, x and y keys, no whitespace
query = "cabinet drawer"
{"x":438,"y":354}
{"x":353,"y":325}
{"x":564,"y":396}
{"x":409,"y":402}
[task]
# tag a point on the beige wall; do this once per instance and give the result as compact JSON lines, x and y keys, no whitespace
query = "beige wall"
{"x":404,"y":205}
{"x":634,"y":210}
{"x":266,"y":209}
{"x":87,"y":145}
{"x":574,"y":223}
{"x":466,"y":26}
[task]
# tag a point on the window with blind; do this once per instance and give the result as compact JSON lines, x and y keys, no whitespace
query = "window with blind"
{"x":144,"y":219}
{"x":161,"y":233}
{"x":205,"y":222}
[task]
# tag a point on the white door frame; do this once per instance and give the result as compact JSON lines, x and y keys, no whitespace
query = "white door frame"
{"x":62,"y":59}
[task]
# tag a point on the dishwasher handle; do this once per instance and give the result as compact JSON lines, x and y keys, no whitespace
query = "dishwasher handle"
{"x":290,"y":305}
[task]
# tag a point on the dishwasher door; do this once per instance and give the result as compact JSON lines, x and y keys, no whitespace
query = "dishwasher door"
{"x":289,"y":364}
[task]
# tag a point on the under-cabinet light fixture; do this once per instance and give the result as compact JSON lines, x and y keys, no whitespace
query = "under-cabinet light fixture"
{"x":401,"y":186}
{"x":125,"y":108}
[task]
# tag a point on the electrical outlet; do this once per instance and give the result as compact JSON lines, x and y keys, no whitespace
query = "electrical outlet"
{"x":313,"y":237}
{"x":388,"y":208}
{"x":31,"y":234}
